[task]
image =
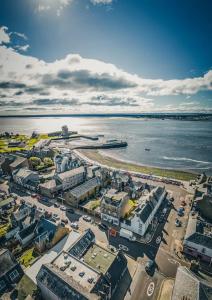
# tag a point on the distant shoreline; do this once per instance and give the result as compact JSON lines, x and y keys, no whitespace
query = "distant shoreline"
{"x":95,"y":155}
{"x":160,"y":116}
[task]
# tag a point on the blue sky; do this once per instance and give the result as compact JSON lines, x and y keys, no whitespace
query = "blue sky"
{"x":129,"y":56}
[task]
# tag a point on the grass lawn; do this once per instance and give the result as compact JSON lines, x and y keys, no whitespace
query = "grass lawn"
{"x":25,"y":287}
{"x":4,"y":229}
{"x":27,"y":257}
{"x":30,"y":142}
{"x":112,"y":162}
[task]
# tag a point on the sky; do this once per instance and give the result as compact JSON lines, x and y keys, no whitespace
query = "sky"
{"x":105,"y":56}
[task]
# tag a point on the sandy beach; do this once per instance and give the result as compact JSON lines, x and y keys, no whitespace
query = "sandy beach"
{"x":99,"y":157}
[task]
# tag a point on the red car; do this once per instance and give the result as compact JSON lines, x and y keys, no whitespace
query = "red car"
{"x":183,"y":203}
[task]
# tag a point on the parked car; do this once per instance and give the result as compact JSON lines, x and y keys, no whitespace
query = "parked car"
{"x":86,"y":218}
{"x":62,"y":207}
{"x":180,"y":212}
{"x":64,"y":221}
{"x":161,"y":218}
{"x":40,"y":209}
{"x":149,"y":267}
{"x":70,"y":210}
{"x":56,"y":205}
{"x":34,"y":195}
{"x":74,"y":225}
{"x":48,"y":214}
{"x":56,"y":217}
{"x":177,"y":223}
{"x":123,"y":247}
{"x":183,"y":203}
{"x":102,"y":226}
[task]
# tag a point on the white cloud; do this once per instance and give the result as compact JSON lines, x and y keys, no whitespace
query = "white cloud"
{"x":21,"y":35}
{"x":23,"y":48}
{"x":101,"y":1}
{"x":56,"y":6}
{"x":4,"y":35}
{"x":77,"y":84}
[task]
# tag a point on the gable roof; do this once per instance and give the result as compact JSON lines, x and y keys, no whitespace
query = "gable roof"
{"x":85,"y":187}
{"x":6,"y":261}
{"x":24,"y":173}
{"x":70,"y":173}
{"x":27,"y":231}
{"x":19,"y":160}
{"x":189,"y":286}
{"x":194,"y":235}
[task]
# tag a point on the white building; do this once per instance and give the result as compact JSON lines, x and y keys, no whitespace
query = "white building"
{"x":71,"y":178}
{"x":143,"y":215}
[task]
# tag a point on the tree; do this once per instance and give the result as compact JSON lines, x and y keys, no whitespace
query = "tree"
{"x":35,"y":161}
{"x":48,"y":161}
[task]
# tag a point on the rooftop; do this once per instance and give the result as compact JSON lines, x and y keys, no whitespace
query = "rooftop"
{"x":71,"y":173}
{"x":188,"y":286}
{"x":6,"y":201}
{"x":62,"y":285}
{"x":50,"y":184}
{"x":99,"y":258}
{"x":85,"y":187}
{"x":6,"y":261}
{"x":24,"y":172}
{"x":48,"y":257}
{"x":72,"y":267}
{"x":19,"y":160}
{"x":197,"y":232}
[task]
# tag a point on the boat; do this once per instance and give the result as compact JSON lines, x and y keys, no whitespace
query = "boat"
{"x":147,"y":149}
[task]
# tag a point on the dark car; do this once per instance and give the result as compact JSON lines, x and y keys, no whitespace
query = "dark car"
{"x":102,"y":226}
{"x":149,"y":267}
{"x":70,"y":210}
{"x":56,"y":205}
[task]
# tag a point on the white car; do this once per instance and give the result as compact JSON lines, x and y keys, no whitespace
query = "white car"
{"x":56,"y":217}
{"x":74,"y":225}
{"x":123,"y":247}
{"x":42,"y":210}
{"x":86,"y":218}
{"x":63,"y":208}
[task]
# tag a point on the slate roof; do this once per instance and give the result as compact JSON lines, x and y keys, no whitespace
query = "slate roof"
{"x":70,"y":173}
{"x":62,"y":285}
{"x":6,"y":202}
{"x":194,"y":235}
{"x":27,"y":231}
{"x":19,"y":160}
{"x":146,"y":211}
{"x":24,"y":172}
{"x":46,"y":226}
{"x":146,"y":208}
{"x":85,"y":187}
{"x":190,"y":287}
{"x":50,"y":184}
{"x":6,"y":261}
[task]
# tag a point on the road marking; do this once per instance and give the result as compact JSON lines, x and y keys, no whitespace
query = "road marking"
{"x":173,"y":261}
{"x":158,"y":239}
{"x":150,"y":289}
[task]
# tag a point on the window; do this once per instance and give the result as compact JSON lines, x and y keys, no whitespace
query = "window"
{"x":2,"y":285}
{"x":13,"y":275}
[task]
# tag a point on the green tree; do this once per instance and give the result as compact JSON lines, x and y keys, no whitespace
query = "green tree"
{"x":48,"y":161}
{"x":35,"y":161}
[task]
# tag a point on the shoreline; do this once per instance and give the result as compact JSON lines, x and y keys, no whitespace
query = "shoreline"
{"x":100,"y":158}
